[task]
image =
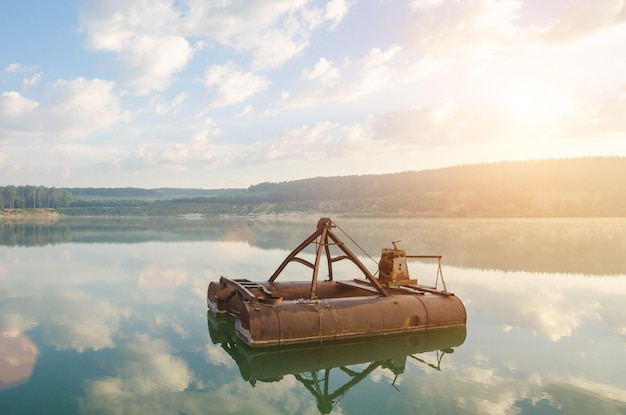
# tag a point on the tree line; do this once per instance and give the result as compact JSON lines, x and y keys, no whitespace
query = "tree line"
{"x":585,"y":175}
{"x":590,"y":186}
{"x":33,"y":197}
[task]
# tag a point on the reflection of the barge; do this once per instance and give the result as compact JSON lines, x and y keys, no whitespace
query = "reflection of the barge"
{"x":311,"y":365}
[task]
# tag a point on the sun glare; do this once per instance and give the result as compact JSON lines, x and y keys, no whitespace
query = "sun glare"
{"x":538,"y":106}
{"x":521,"y":103}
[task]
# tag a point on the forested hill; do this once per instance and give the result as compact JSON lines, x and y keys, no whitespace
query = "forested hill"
{"x":594,"y":186}
{"x":602,"y":174}
{"x":570,"y":187}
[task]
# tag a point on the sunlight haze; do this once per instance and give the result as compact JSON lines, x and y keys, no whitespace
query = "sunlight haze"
{"x":220,"y":94}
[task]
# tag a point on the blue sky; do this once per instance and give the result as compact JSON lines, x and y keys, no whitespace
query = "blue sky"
{"x":229,"y":93}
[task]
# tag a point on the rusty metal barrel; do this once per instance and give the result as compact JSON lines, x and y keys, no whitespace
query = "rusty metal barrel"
{"x":301,"y":321}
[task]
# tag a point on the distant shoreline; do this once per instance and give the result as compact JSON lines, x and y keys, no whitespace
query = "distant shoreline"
{"x":39,"y":213}
{"x":28,"y":213}
{"x":585,"y":187}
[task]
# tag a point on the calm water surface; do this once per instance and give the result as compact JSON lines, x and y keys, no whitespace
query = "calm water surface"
{"x":108,"y":316}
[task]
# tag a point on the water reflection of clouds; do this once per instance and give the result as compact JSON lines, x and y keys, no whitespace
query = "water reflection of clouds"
{"x":287,"y":396}
{"x":484,"y":390}
{"x":12,"y":319}
{"x":77,"y":299}
{"x":240,"y":260}
{"x":128,"y":392}
{"x":218,"y":356}
{"x":76,"y":320}
{"x":554,"y":307}
{"x":565,"y":394}
{"x":452,"y":389}
{"x":551,"y":305}
{"x":80,"y":321}
{"x":72,"y":320}
{"x":585,"y":396}
{"x":380,"y":375}
{"x":158,"y":283}
{"x":169,"y":322}
{"x":145,"y":366}
{"x":32,"y":271}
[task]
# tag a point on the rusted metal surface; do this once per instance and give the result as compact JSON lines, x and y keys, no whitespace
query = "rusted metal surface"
{"x":288,"y":312}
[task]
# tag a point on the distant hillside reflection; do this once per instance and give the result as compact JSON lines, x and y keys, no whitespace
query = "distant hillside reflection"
{"x":579,"y":246}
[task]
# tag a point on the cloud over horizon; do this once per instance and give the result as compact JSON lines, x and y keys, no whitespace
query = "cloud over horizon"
{"x":190,"y":93}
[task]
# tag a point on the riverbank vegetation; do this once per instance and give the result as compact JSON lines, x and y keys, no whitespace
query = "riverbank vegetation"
{"x":33,"y":197}
{"x":592,"y":187}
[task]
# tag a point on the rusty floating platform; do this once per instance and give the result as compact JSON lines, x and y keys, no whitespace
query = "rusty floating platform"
{"x":272,"y":313}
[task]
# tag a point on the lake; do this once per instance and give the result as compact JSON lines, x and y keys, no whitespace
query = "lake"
{"x":109,"y":316}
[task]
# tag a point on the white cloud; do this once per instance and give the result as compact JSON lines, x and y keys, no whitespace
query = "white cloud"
{"x":165,"y":107}
{"x":18,"y":67}
{"x":14,"y":105}
{"x":151,"y":38}
{"x":524,"y":117}
{"x":70,"y":109}
{"x":320,"y":141}
{"x":377,"y":57}
{"x":444,"y":122}
{"x":336,"y":10}
{"x":425,"y":4}
{"x":376,"y":74}
{"x":32,"y":81}
{"x":145,"y":36}
{"x":233,"y":23}
{"x":324,"y":71}
{"x":247,"y":110}
{"x":232,"y":86}
{"x":273,"y":48}
{"x":586,"y":17}
{"x":491,"y":71}
{"x":465,"y":29}
{"x":377,"y":71}
{"x":111,"y":24}
{"x":151,"y":61}
{"x":273,"y":31}
{"x":324,"y":140}
{"x":13,"y":170}
{"x":198,"y":150}
{"x":77,"y":108}
{"x":18,"y":114}
{"x":511,"y":86}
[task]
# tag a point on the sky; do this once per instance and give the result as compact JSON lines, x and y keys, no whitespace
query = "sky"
{"x":231,"y":93}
